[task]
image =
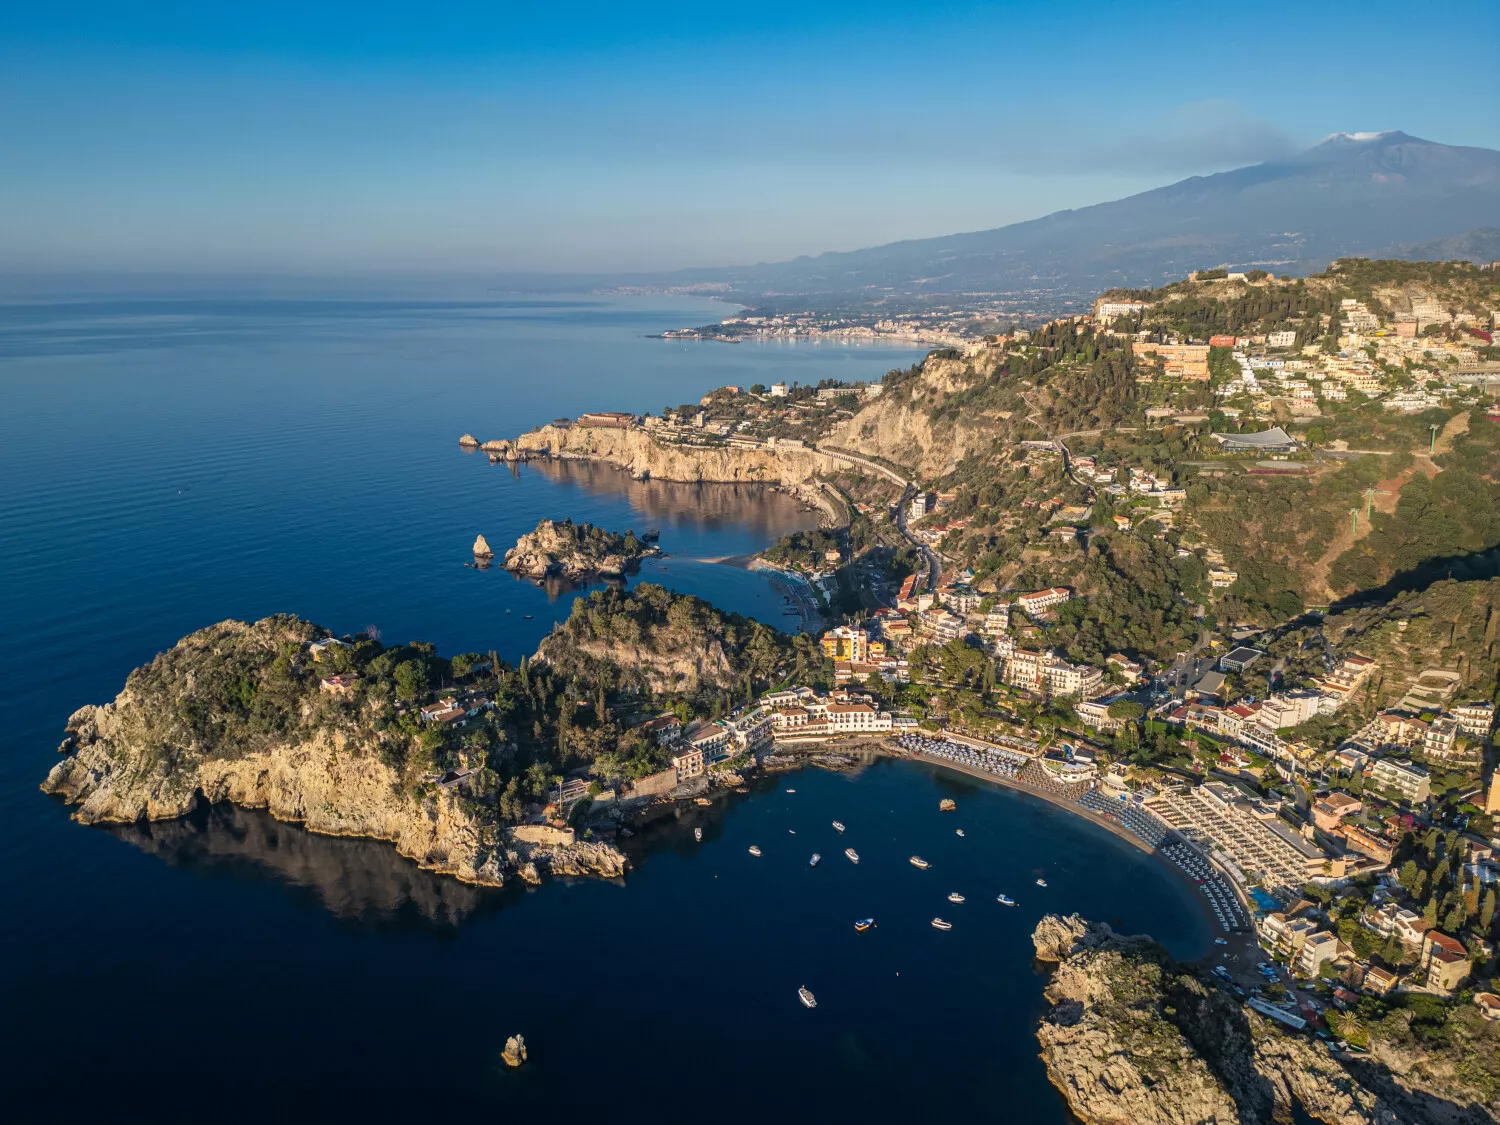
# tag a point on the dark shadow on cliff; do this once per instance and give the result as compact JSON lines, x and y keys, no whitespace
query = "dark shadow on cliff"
{"x":1477,"y":566}
{"x":358,"y":880}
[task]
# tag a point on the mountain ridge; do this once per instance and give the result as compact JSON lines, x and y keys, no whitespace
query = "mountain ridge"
{"x":1374,"y":195}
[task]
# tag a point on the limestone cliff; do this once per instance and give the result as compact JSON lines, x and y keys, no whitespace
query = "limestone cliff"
{"x":575,"y":550}
{"x":228,"y":715}
{"x":1133,"y":1037}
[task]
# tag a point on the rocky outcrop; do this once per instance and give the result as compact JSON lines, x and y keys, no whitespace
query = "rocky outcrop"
{"x":1133,"y":1037}
{"x":482,"y":548}
{"x":178,"y":734}
{"x":575,"y":551}
{"x":469,"y":441}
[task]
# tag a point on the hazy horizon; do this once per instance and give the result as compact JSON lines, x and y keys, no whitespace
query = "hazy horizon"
{"x":369,"y":141}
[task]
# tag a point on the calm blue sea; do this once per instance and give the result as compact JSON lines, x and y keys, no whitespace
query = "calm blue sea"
{"x":169,"y":463}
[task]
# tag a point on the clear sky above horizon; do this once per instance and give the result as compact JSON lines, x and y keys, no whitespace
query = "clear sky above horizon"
{"x":368,"y":137}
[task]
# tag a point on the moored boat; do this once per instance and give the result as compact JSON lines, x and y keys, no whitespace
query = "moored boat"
{"x":1041,"y":882}
{"x":814,"y":861}
{"x":955,"y":897}
{"x":1005,"y":900}
{"x":960,"y":831}
{"x":939,"y":924}
{"x":807,"y":998}
{"x":754,"y":850}
{"x":863,"y":924}
{"x":852,"y":854}
{"x":918,"y":861}
{"x":697,"y":833}
{"x":837,"y":827}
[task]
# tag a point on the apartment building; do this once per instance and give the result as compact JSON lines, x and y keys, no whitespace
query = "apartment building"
{"x":1411,"y":782}
{"x":1042,"y":600}
{"x":1048,"y":674}
{"x":1318,"y":949}
{"x":1179,"y":361}
{"x":1474,"y":719}
{"x":846,"y":643}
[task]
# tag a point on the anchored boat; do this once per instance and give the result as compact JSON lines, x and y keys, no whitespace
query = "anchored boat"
{"x":852,"y":854}
{"x":837,"y":827}
{"x":807,"y":998}
{"x":1005,"y":900}
{"x":918,"y":861}
{"x":698,"y":834}
{"x":1041,"y":882}
{"x":814,"y":861}
{"x":754,"y":850}
{"x":955,"y":897}
{"x":939,"y":924}
{"x":863,"y":924}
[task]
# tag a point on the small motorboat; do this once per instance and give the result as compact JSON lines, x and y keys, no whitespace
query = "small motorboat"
{"x":754,"y":850}
{"x":852,"y":854}
{"x":955,"y":897}
{"x":807,"y":998}
{"x":863,"y":924}
{"x":838,"y":827}
{"x":791,"y":831}
{"x":1005,"y":900}
{"x":791,"y":791}
{"x":1041,"y":882}
{"x":527,"y":616}
{"x":813,"y":862}
{"x":918,"y":861}
{"x":960,"y":831}
{"x":1220,"y":941}
{"x":939,"y":924}
{"x":698,"y":834}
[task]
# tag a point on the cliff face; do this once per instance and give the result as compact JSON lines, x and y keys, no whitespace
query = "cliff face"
{"x":574,"y":551}
{"x":909,"y":427}
{"x":175,"y":732}
{"x":1133,"y":1037}
{"x":636,"y":451}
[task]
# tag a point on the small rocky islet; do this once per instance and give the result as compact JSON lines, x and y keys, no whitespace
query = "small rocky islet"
{"x":576,"y":551}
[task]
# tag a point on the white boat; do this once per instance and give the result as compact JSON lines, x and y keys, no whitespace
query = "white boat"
{"x":1005,"y":900}
{"x":955,"y":897}
{"x":939,"y":924}
{"x":1220,"y":941}
{"x":960,"y":831}
{"x":791,"y":791}
{"x":852,"y":854}
{"x":918,"y":861}
{"x":807,"y":998}
{"x":814,"y":861}
{"x":837,"y":827}
{"x":697,"y":833}
{"x":754,"y":850}
{"x":1041,"y":882}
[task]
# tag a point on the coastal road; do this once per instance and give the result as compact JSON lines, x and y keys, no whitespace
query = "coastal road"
{"x":934,"y":564}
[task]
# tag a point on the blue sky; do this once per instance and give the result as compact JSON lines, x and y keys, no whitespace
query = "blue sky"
{"x":367,"y":137}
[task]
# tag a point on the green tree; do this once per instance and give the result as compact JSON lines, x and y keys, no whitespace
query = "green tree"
{"x":411,"y":679}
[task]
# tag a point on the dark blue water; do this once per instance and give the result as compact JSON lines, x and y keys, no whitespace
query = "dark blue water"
{"x":167,"y":465}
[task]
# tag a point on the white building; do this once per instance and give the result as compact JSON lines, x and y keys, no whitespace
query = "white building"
{"x":1408,"y":780}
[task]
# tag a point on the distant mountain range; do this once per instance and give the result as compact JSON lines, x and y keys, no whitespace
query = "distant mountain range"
{"x":1364,"y":194}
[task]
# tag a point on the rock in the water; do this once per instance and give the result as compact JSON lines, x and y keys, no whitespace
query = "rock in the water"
{"x":947,"y":804}
{"x":469,"y":441}
{"x":575,"y":551}
{"x":482,"y":548}
{"x":515,"y":1051}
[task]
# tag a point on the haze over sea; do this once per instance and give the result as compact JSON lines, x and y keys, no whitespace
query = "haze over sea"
{"x":168,"y":464}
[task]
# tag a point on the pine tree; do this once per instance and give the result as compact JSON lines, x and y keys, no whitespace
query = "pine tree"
{"x":1408,"y":876}
{"x":1430,"y":911}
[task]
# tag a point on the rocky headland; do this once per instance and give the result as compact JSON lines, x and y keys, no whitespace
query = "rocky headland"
{"x":238,"y":712}
{"x":1132,"y":1036}
{"x":576,"y":551}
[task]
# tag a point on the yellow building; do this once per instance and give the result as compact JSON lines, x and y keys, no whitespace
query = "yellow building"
{"x":846,"y":643}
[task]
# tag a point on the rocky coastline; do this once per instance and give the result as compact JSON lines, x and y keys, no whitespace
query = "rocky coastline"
{"x":563,"y":549}
{"x":1133,"y":1036}
{"x":160,"y":748}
